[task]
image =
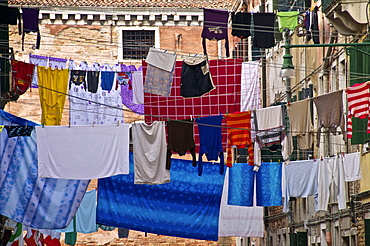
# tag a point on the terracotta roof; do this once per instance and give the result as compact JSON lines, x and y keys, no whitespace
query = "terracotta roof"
{"x":219,"y":4}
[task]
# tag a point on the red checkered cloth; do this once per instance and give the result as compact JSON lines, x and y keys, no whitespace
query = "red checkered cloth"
{"x":226,"y":75}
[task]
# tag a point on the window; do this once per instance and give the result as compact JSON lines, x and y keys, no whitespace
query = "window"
{"x":136,"y":43}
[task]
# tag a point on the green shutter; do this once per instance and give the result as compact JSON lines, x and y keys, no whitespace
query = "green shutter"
{"x":293,"y":239}
{"x":367,"y":232}
{"x":359,"y":69}
{"x":302,"y":238}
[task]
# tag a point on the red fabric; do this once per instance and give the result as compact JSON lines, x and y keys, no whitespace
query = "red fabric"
{"x":22,"y":76}
{"x":226,"y":75}
{"x":239,"y":137}
{"x":358,"y":97}
{"x":51,"y":242}
{"x":36,"y":239}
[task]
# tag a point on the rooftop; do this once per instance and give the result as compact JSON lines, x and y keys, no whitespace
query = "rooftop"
{"x":215,"y":4}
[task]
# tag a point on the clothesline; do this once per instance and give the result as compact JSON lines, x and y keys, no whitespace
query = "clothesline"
{"x":156,"y":116}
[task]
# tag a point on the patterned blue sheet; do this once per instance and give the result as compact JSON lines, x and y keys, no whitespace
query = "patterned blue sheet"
{"x":187,"y":207}
{"x":41,"y":203}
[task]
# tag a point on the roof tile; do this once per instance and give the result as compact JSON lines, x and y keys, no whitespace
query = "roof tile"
{"x":222,"y":4}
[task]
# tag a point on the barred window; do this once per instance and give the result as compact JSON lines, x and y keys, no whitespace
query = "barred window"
{"x":136,"y":43}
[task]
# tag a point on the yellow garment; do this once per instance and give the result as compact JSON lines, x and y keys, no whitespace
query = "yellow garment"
{"x":1,"y":128}
{"x":53,"y":86}
{"x":365,"y":170}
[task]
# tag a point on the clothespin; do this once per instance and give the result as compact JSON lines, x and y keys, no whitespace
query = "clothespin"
{"x":191,"y":117}
{"x":93,"y":123}
{"x":271,"y":160}
{"x":69,"y":124}
{"x":314,"y":159}
{"x":321,"y":158}
{"x":117,"y":122}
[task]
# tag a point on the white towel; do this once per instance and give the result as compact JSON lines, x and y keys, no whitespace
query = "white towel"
{"x":351,"y":164}
{"x":250,"y":86}
{"x":137,"y":87}
{"x":150,"y":153}
{"x":161,"y":59}
{"x":239,"y":221}
{"x":83,"y":152}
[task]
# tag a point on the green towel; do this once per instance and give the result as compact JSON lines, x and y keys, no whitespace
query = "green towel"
{"x":71,"y":237}
{"x":287,"y":20}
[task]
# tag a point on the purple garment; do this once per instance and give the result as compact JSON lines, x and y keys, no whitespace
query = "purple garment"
{"x":31,"y":24}
{"x":127,"y":95}
{"x":215,"y":27}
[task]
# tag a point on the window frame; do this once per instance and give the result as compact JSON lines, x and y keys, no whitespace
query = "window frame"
{"x":135,"y":28}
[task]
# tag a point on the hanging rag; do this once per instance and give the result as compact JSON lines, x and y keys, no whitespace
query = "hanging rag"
{"x":37,"y":61}
{"x":92,"y":81}
{"x":264,"y":30}
{"x":107,"y":80}
{"x":45,"y":205}
{"x":331,"y":172}
{"x":330,"y":112}
{"x":299,"y":180}
{"x":158,"y":81}
{"x":161,"y":59}
{"x":314,"y":25}
{"x":241,"y":185}
{"x":358,"y":97}
{"x":19,"y":131}
{"x":22,"y":74}
{"x":287,"y":20}
{"x":127,"y":94}
{"x":215,"y":28}
{"x":241,"y":24}
{"x":77,"y":77}
{"x":250,"y":93}
{"x":137,"y":87}
{"x":150,"y":168}
{"x":239,"y":135}
{"x":196,"y":79}
{"x":31,"y":24}
{"x":123,"y":78}
{"x":85,"y":218}
{"x":53,"y":89}
{"x":187,"y":207}
{"x":180,"y":140}
{"x":210,"y":141}
{"x":307,"y":24}
{"x":268,"y":184}
{"x":239,"y":221}
{"x":300,"y":123}
{"x":57,"y":63}
{"x":352,"y":167}
{"x":270,"y":126}
{"x":9,"y":15}
{"x":59,"y":158}
{"x":160,"y":72}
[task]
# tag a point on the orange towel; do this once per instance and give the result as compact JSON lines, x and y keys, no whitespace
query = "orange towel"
{"x":239,"y":137}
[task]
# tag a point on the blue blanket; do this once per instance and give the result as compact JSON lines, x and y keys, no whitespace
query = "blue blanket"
{"x":186,"y":207}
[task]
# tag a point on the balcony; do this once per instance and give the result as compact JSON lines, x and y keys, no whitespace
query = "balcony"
{"x":347,"y":16}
